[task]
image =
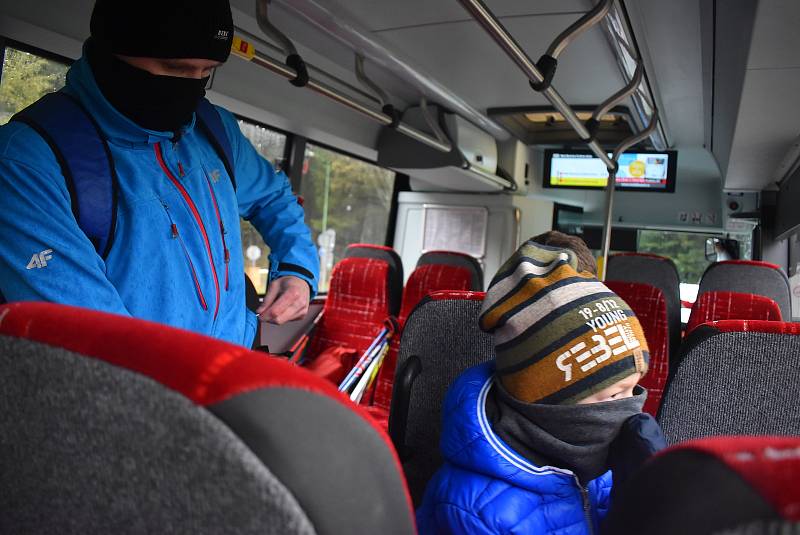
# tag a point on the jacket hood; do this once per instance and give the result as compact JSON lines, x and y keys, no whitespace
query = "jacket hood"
{"x":116,"y":127}
{"x":469,"y":442}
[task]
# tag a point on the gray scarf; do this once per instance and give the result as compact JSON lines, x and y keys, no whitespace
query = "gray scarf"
{"x":576,"y":437}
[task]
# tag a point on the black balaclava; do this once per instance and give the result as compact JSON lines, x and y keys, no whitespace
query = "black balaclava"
{"x":575,"y":437}
{"x":155,"y":29}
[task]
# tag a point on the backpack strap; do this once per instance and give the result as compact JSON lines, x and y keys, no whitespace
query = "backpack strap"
{"x":210,"y":122}
{"x":85,"y":160}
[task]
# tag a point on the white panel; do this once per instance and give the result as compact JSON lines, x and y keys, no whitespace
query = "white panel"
{"x":776,"y":39}
{"x":501,"y":234}
{"x":669,"y":34}
{"x":768,"y":121}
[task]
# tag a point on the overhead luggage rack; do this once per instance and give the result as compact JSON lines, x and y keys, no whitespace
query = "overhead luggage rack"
{"x":294,"y":69}
{"x":541,"y":75}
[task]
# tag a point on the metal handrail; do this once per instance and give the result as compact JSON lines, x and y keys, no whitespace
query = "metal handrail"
{"x":622,"y":94}
{"x":280,"y":68}
{"x":612,"y":182}
{"x":365,"y":80}
{"x":262,"y":17}
{"x":591,"y":18}
{"x":496,"y":31}
{"x":253,"y":38}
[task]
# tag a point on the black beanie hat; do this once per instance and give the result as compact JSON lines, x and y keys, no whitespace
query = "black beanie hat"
{"x":164,"y":28}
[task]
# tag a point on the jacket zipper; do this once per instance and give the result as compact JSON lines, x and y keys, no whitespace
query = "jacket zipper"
{"x":221,"y":231}
{"x":176,"y":236}
{"x":196,"y":213}
{"x":587,"y":512}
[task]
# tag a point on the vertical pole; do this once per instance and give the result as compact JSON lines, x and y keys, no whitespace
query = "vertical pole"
{"x":612,"y":182}
{"x":327,"y":195}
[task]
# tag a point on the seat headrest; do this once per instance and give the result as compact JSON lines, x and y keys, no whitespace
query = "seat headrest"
{"x":459,"y":260}
{"x":711,"y":485}
{"x":390,"y":256}
{"x":337,"y":463}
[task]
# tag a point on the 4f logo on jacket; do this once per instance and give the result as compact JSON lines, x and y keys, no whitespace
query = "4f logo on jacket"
{"x":39,"y":260}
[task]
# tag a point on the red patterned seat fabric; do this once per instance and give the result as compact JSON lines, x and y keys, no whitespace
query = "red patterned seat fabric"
{"x":649,"y":305}
{"x":356,"y":307}
{"x":432,"y":278}
{"x":716,"y":306}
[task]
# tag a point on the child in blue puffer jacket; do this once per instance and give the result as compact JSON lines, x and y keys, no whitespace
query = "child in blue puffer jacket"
{"x":527,"y":438}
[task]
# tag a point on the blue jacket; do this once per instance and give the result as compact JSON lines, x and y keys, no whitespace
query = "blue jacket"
{"x":168,"y":262}
{"x":485,"y":487}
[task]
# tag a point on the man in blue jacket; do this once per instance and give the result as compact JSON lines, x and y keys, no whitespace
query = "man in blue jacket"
{"x":528,"y":438}
{"x":176,"y":254}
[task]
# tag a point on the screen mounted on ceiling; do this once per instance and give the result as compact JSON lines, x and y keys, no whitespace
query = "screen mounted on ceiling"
{"x":638,"y":171}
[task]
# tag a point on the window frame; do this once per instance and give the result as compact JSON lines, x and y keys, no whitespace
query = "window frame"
{"x":6,"y":42}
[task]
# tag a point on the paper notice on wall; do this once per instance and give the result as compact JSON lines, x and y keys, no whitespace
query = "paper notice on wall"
{"x":794,"y":285}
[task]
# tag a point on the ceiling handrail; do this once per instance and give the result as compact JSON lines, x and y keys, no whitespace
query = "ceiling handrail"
{"x":496,"y":31}
{"x":247,"y":51}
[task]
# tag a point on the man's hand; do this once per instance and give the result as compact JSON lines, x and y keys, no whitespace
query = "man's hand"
{"x":287,"y":299}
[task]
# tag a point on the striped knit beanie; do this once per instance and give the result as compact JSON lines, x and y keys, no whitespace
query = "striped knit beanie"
{"x":560,"y":336}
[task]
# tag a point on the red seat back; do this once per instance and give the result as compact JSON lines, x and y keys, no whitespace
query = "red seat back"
{"x":650,"y":307}
{"x":392,"y":259}
{"x":750,"y":277}
{"x":715,"y":306}
{"x":726,"y":484}
{"x":356,"y":307}
{"x":430,"y":278}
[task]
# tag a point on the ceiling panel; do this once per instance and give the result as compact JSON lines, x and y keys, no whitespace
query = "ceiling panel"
{"x":390,"y":14}
{"x":469,"y":62}
{"x":769,"y":119}
{"x":669,"y":35}
{"x":776,"y":40}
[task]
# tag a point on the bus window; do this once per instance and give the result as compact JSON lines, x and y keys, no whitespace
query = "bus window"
{"x":26,"y":77}
{"x":347,"y":199}
{"x":688,"y":251}
{"x":271,"y":145}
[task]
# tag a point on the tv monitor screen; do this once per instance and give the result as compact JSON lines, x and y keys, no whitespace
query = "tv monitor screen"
{"x":638,"y":171}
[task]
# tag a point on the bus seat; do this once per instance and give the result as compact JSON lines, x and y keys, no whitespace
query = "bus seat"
{"x":743,"y":485}
{"x":440,"y":341}
{"x":355,"y":310}
{"x":117,"y":425}
{"x":734,"y":378}
{"x":750,"y":277}
{"x":715,"y":306}
{"x":390,"y":256}
{"x":649,"y":305}
{"x":658,"y":271}
{"x":437,"y":271}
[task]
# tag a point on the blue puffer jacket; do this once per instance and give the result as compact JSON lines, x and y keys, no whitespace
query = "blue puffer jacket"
{"x":168,"y":262}
{"x":485,"y":487}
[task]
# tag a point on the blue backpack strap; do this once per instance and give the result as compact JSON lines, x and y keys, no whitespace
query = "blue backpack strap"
{"x":210,"y":123}
{"x":85,"y":161}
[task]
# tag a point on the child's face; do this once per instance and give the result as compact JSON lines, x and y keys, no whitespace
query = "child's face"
{"x":619,"y":390}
